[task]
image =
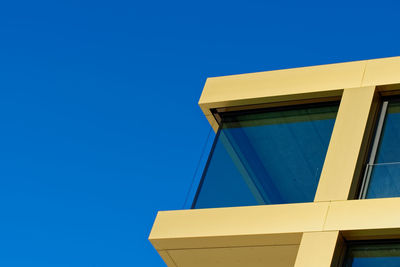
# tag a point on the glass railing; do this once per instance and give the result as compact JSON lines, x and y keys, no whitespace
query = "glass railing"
{"x":266,"y":157}
{"x":197,"y":173}
{"x":382,"y":174}
{"x":382,"y":180}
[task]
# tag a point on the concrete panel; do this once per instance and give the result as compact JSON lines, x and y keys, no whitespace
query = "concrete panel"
{"x":346,"y":143}
{"x":279,"y":256}
{"x":189,"y":228}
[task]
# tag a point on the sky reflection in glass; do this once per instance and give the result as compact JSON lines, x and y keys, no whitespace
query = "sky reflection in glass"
{"x":385,"y":175}
{"x":372,"y":255}
{"x":267,"y":157}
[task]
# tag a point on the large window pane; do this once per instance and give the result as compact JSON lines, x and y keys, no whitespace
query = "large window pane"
{"x":383,"y":170}
{"x":373,"y":255}
{"x":267,"y":157}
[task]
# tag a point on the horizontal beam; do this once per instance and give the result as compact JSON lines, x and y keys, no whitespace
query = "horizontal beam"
{"x":297,"y":84}
{"x":272,"y":224}
{"x":365,"y":214}
{"x":239,"y":226}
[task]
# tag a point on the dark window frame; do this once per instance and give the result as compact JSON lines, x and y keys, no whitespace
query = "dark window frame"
{"x":363,"y":243}
{"x":375,"y":142}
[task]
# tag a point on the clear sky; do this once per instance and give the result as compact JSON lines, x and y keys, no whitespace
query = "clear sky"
{"x":99,"y":123}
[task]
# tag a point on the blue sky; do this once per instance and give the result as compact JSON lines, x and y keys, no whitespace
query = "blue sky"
{"x":99,"y":123}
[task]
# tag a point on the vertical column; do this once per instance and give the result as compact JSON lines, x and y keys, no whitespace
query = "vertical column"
{"x":317,"y":249}
{"x":341,"y":171}
{"x":349,"y":139}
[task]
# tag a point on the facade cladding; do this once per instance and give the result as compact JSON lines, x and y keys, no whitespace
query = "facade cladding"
{"x":304,"y":171}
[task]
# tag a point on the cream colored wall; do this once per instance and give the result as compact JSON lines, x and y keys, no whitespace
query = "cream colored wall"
{"x":303,"y":234}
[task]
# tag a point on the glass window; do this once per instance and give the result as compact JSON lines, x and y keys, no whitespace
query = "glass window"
{"x":267,"y":157}
{"x":373,"y":254}
{"x":382,"y":174}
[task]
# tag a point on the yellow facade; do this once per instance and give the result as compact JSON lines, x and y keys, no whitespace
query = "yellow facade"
{"x":302,"y":234}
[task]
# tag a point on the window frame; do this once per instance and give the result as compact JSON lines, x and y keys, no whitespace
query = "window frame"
{"x":374,"y":143}
{"x":359,"y":243}
{"x":261,"y":108}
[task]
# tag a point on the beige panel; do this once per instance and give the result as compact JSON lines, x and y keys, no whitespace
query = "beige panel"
{"x":382,"y":71}
{"x":167,"y":259}
{"x":277,"y":256}
{"x":275,"y":225}
{"x":317,"y":249}
{"x":364,"y":214}
{"x":345,"y":145}
{"x":173,"y":227}
{"x":254,"y":88}
{"x":227,"y":241}
{"x":298,"y":84}
{"x":237,"y":226}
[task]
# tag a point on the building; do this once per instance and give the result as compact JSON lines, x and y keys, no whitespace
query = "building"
{"x":304,"y":171}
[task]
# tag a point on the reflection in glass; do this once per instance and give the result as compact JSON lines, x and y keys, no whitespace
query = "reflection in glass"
{"x":267,"y":157}
{"x":372,"y":255}
{"x":383,"y":172}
